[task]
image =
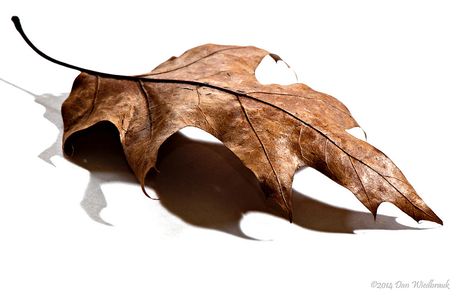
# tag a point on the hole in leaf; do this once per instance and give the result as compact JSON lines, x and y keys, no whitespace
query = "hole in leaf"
{"x":358,"y":133}
{"x":271,"y":72}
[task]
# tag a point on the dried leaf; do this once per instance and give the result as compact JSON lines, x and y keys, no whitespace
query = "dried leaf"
{"x":273,"y":129}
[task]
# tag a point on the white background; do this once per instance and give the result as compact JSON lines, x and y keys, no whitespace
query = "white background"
{"x":404,"y":69}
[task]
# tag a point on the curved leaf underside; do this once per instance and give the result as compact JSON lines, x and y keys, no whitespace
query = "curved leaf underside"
{"x":273,"y":129}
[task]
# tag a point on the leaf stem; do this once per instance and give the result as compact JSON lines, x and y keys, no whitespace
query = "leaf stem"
{"x":16,"y":21}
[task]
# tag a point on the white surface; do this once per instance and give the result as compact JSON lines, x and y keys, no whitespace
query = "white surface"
{"x":404,"y":69}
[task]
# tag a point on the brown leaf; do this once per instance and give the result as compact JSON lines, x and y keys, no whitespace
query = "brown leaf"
{"x":273,"y":129}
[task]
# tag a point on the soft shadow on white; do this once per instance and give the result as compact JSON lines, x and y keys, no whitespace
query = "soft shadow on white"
{"x":201,"y":182}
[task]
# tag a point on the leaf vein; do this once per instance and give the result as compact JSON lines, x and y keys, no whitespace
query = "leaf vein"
{"x":202,"y":112}
{"x":189,"y":64}
{"x":304,"y":97}
{"x":145,"y":95}
{"x":264,"y":150}
{"x":361,"y":183}
{"x":96,"y":92}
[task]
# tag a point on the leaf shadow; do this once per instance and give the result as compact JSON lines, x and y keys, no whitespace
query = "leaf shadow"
{"x":207,"y":186}
{"x":202,"y":183}
{"x":93,"y":200}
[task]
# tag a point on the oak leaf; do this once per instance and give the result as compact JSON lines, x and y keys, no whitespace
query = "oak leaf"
{"x":273,"y":129}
